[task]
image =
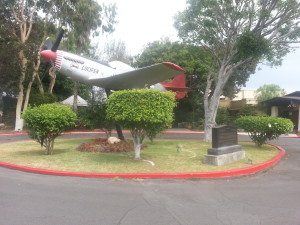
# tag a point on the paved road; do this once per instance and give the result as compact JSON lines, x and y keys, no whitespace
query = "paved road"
{"x":270,"y":198}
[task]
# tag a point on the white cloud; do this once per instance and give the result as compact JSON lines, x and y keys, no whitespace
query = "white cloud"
{"x":142,"y":21}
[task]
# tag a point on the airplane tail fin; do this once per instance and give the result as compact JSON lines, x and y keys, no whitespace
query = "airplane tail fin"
{"x":178,"y":85}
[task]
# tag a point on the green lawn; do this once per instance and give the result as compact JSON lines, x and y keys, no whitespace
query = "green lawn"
{"x":162,"y":152}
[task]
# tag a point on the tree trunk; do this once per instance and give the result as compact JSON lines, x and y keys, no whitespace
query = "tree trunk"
{"x":137,"y":136}
{"x":23,"y":64}
{"x":49,"y":144}
{"x":28,"y":90}
{"x":52,"y":74}
{"x":40,"y":85}
{"x":75,"y":95}
{"x":210,"y":118}
{"x":120,"y":132}
{"x":137,"y":147}
{"x":34,"y":75}
{"x":212,"y":100}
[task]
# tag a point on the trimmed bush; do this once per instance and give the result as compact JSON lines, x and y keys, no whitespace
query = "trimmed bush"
{"x":262,"y":128}
{"x":145,"y":112}
{"x":46,"y":122}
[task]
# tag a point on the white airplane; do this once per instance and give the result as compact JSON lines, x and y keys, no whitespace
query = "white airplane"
{"x":115,"y":75}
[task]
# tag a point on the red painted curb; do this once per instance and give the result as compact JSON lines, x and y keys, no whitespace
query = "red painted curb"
{"x":192,"y":175}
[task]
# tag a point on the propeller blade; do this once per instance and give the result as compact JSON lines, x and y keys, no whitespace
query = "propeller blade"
{"x":48,"y":44}
{"x":58,"y":40}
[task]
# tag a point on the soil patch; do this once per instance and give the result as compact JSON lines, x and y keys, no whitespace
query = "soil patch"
{"x":102,"y":145}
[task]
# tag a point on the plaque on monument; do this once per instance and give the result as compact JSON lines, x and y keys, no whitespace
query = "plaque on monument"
{"x":225,"y":148}
{"x":224,"y":136}
{"x":224,"y":140}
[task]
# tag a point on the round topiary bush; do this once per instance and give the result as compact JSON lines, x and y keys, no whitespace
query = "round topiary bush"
{"x":145,"y":112}
{"x":48,"y":121}
{"x":263,"y":128}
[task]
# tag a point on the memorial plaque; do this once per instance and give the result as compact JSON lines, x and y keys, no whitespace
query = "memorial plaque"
{"x":225,"y":148}
{"x":224,"y":136}
{"x":224,"y":140}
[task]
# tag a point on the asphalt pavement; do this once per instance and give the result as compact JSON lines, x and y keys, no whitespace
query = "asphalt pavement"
{"x":269,"y":198}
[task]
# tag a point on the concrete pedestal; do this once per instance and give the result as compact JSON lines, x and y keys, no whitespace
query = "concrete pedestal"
{"x":219,"y":160}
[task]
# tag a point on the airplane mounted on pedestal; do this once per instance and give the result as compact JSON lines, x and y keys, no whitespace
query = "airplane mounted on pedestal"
{"x":115,"y":75}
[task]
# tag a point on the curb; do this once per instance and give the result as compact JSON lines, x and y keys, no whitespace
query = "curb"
{"x":193,"y":175}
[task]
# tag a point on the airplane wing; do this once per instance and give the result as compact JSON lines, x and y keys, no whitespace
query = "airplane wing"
{"x":140,"y":78}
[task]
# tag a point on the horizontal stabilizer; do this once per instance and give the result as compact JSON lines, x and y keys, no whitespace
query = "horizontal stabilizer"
{"x":178,"y":85}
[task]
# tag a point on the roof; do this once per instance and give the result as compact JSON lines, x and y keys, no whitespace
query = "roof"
{"x":70,"y":100}
{"x":292,"y":98}
{"x":294,"y":94}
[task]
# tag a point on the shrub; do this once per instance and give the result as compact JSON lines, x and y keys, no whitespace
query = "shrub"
{"x":250,"y":110}
{"x":145,"y":112}
{"x":95,"y":117}
{"x":37,"y":99}
{"x":223,"y":116}
{"x":261,"y":128}
{"x":48,"y":121}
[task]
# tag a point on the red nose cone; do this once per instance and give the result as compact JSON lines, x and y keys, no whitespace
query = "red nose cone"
{"x":48,"y":55}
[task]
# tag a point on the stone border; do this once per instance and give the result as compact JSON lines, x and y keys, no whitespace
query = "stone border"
{"x":167,"y":175}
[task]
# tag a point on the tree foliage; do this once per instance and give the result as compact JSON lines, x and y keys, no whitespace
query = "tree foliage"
{"x":195,"y":62}
{"x":25,"y":25}
{"x":144,"y":112}
{"x":46,"y":122}
{"x":239,"y":35}
{"x":269,"y":91}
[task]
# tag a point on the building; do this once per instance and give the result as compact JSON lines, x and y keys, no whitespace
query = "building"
{"x":241,"y":99}
{"x":287,"y":106}
{"x":248,"y":95}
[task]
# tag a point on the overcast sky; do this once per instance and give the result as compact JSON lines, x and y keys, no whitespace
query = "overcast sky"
{"x":144,"y":21}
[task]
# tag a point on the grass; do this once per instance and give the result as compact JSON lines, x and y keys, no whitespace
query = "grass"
{"x":162,"y":152}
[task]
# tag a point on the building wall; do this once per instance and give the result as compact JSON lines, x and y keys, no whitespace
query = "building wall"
{"x":249,"y":95}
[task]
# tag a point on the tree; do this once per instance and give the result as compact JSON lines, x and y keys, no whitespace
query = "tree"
{"x":269,"y":91}
{"x":238,"y":35}
{"x":27,"y":23}
{"x":193,"y":59}
{"x":143,"y":112}
{"x":114,"y":50}
{"x":46,"y":122}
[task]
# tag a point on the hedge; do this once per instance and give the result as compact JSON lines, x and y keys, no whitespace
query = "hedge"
{"x":263,"y":128}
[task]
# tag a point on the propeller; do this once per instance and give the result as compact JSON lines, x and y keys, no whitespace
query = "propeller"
{"x":58,"y":40}
{"x":49,"y":52}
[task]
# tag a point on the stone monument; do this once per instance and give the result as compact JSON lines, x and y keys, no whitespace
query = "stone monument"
{"x":225,"y":148}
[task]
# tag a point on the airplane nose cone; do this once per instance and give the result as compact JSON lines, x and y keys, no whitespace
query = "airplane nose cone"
{"x":48,"y":55}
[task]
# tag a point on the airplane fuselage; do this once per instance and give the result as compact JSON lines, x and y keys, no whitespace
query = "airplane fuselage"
{"x":82,"y":69}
